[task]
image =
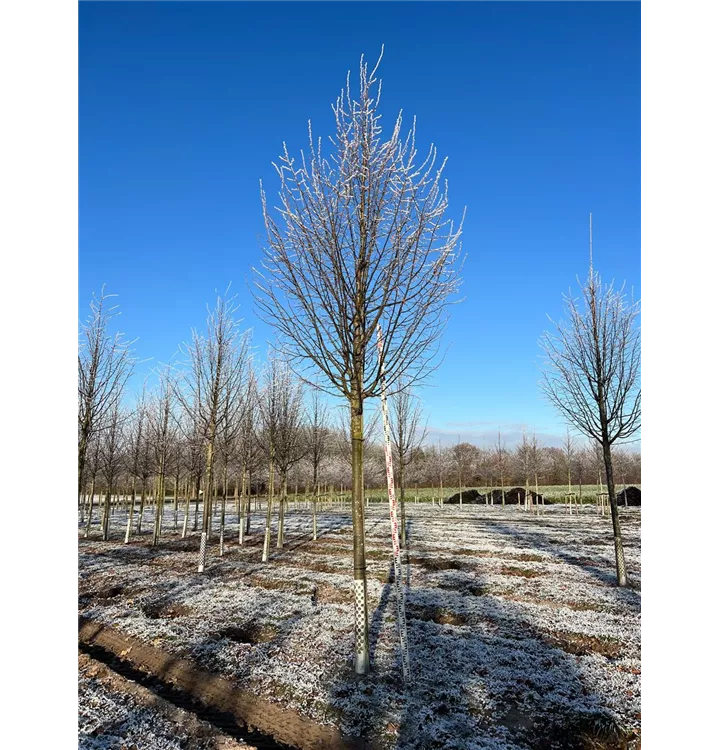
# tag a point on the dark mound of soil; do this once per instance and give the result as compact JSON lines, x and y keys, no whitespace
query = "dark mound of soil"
{"x":518,"y":495}
{"x":467,"y":496}
{"x":494,"y":497}
{"x":629,"y":496}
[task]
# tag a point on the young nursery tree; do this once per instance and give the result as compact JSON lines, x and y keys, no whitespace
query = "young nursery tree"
{"x":318,"y":440}
{"x":359,"y":239}
{"x":111,"y":458}
{"x":104,"y":364}
{"x":593,"y":374}
{"x":285,"y":426}
{"x":407,"y":435}
{"x":215,"y":366}
{"x":162,"y":432}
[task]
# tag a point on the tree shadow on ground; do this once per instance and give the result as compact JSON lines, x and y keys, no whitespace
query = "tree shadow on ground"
{"x":538,"y":541}
{"x":482,"y":676}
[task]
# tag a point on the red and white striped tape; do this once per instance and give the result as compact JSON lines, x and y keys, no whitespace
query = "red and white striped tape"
{"x":398,"y":576}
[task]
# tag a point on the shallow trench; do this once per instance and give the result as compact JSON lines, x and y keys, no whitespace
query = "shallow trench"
{"x":236,"y":712}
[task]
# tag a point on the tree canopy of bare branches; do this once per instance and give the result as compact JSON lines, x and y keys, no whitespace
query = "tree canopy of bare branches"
{"x":359,"y":239}
{"x":104,"y":364}
{"x":592,"y":376}
{"x":213,"y":376}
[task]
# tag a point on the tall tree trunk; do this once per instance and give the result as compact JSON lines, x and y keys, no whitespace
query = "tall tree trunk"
{"x":282,"y":504}
{"x":314,"y":501}
{"x":198,"y":486}
{"x":106,"y":517}
{"x":143,"y":494}
{"x":186,"y":512}
{"x":131,"y":513}
{"x":527,"y":499}
{"x":621,"y":576}
{"x":361,"y":614}
{"x":224,"y":506}
{"x":270,"y":496}
{"x":92,"y":500}
{"x":242,"y":504}
{"x":81,"y":453}
{"x":175,"y":500}
{"x":249,"y":500}
{"x":159,"y":504}
{"x":207,"y":506}
{"x":401,"y":501}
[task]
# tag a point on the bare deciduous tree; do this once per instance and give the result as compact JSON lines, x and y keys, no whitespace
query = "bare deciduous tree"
{"x":359,"y":239}
{"x":407,"y":435}
{"x":464,"y":457}
{"x":523,"y":461}
{"x":104,"y":364}
{"x":247,"y":449}
{"x":318,"y":444}
{"x":569,"y":454}
{"x":270,"y":409}
{"x":288,"y":449}
{"x":136,"y":443}
{"x":162,"y":429}
{"x":215,"y":365}
{"x":593,"y":374}
{"x":111,"y":445}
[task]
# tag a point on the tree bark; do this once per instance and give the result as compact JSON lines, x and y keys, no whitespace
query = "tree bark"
{"x":249,"y":500}
{"x":361,"y":664}
{"x":142,"y":507}
{"x":282,"y":503}
{"x":621,"y":575}
{"x":242,"y":505}
{"x":224,"y":507}
{"x":106,"y":516}
{"x":89,"y":514}
{"x":131,"y":512}
{"x":401,"y":501}
{"x":270,"y":495}
{"x":207,"y":505}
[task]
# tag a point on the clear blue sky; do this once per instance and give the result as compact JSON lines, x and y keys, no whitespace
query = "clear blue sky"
{"x":183,"y":107}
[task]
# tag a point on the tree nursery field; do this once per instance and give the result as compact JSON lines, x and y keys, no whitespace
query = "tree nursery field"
{"x":517,"y":635}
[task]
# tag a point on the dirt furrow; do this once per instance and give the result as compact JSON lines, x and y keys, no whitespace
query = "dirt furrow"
{"x":283,"y":725}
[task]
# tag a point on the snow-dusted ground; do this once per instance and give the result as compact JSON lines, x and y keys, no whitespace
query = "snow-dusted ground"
{"x":518,"y":636}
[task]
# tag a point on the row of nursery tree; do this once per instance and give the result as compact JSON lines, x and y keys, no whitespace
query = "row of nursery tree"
{"x":159,"y":435}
